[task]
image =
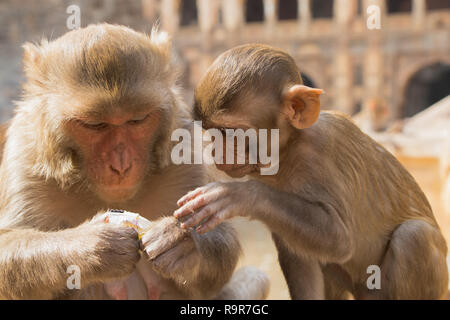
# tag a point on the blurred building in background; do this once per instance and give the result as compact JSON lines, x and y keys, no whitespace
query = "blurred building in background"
{"x":382,"y":74}
{"x":391,"y":73}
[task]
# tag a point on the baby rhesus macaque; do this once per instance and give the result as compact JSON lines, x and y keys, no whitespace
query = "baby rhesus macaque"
{"x":339,"y":203}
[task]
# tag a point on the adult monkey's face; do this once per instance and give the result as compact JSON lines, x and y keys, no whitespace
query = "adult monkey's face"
{"x":105,"y":96}
{"x":115,"y":151}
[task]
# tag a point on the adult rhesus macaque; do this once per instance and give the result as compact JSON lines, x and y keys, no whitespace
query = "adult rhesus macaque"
{"x":339,"y":202}
{"x":92,"y":132}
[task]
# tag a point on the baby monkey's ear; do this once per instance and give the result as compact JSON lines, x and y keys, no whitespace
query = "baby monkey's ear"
{"x":302,"y":105}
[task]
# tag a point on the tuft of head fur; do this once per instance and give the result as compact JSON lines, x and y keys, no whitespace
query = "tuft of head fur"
{"x":110,"y":61}
{"x":251,"y":68}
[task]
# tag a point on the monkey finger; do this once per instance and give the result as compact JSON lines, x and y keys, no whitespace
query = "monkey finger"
{"x":201,"y":215}
{"x":213,"y":222}
{"x":190,"y":195}
{"x":193,"y":205}
{"x":195,"y":193}
{"x":185,"y":210}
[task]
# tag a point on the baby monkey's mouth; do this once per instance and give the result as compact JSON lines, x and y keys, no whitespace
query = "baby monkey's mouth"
{"x":238,"y":171}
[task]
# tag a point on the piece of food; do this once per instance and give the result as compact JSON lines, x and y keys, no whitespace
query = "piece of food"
{"x":131,"y":219}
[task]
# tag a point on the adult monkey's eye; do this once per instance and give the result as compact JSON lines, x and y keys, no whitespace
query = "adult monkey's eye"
{"x":138,"y":120}
{"x":93,"y":125}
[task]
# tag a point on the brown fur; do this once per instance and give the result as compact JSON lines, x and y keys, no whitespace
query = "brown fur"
{"x":339,"y":203}
{"x":254,"y":69}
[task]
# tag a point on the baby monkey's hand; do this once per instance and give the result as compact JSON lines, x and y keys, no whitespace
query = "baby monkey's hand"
{"x":206,"y":207}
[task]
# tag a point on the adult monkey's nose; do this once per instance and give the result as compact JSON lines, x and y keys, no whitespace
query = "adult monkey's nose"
{"x":120,"y":160}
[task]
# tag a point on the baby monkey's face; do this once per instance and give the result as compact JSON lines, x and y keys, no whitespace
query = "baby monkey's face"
{"x":253,"y":131}
{"x":238,"y":138}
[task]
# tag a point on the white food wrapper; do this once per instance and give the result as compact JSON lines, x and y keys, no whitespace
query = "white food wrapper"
{"x":127,"y":218}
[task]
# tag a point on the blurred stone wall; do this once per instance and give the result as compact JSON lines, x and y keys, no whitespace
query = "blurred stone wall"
{"x":32,"y":20}
{"x":361,"y":70}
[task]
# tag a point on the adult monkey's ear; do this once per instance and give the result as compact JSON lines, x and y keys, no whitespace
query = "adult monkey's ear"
{"x":302,"y":105}
{"x":32,"y":61}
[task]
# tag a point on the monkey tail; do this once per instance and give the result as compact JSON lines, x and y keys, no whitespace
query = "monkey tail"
{"x":247,"y":283}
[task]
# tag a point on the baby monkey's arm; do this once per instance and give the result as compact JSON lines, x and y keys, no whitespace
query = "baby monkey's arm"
{"x":304,"y":226}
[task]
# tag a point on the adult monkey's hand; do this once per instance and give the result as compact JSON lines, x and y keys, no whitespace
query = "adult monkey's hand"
{"x":191,"y":260}
{"x":172,"y":250}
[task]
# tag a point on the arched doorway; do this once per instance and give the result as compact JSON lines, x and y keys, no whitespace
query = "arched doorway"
{"x":322,"y":8}
{"x":254,"y":11}
{"x":399,"y":6}
{"x":426,"y":87}
{"x":287,"y":10}
{"x":438,"y":4}
{"x":188,"y":10}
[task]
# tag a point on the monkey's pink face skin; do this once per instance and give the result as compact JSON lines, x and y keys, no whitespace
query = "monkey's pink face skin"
{"x":114,"y":152}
